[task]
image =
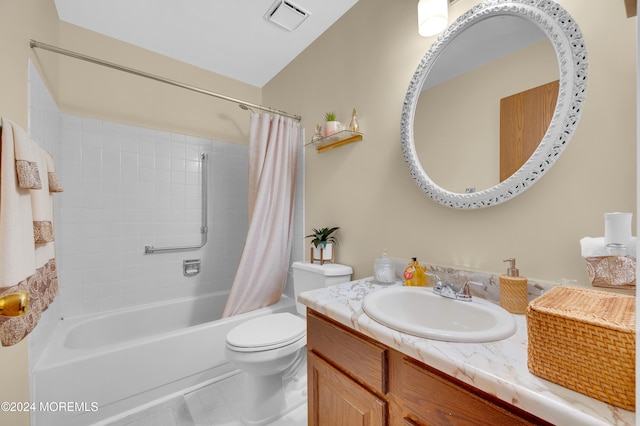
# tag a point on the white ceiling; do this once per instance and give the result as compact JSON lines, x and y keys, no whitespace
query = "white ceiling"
{"x":228,"y":37}
{"x":482,"y":43}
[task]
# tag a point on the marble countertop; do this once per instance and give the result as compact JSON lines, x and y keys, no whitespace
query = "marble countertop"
{"x":498,"y":368}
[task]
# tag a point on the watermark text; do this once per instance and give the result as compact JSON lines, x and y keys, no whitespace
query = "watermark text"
{"x":50,"y":406}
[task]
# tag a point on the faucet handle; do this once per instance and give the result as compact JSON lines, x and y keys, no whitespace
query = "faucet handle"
{"x":438,"y":283}
{"x":465,"y":292}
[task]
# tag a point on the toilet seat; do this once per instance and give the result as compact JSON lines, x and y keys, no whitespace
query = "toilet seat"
{"x":266,"y":333}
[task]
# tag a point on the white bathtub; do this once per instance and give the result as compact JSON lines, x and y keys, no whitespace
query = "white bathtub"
{"x":102,"y":365}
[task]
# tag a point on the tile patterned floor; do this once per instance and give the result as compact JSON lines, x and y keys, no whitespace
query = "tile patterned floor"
{"x":216,"y":404}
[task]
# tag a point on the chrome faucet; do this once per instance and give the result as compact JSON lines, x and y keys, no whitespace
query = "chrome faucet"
{"x":449,"y":291}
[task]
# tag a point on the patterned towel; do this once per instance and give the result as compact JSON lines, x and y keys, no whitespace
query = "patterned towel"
{"x":27,"y":255}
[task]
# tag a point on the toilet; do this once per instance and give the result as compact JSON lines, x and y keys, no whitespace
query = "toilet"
{"x":270,"y":350}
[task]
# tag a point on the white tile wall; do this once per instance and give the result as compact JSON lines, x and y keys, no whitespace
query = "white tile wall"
{"x":126,"y":187}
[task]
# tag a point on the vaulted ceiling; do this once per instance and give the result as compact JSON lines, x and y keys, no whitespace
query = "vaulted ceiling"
{"x":233,"y":38}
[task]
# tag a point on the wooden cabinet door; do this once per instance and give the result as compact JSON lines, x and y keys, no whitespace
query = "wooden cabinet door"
{"x":336,"y":400}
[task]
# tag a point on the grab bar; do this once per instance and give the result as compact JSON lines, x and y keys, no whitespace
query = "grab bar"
{"x":204,"y":228}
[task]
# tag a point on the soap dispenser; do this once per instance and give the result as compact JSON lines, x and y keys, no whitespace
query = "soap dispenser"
{"x":514,"y":296}
{"x":414,"y":274}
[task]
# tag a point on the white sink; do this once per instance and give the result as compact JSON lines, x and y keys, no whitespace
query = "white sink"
{"x":420,"y":312}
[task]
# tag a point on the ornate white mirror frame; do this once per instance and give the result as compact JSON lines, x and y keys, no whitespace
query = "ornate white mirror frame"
{"x":566,"y":38}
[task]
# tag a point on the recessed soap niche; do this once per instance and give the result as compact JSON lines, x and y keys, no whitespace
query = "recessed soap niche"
{"x":191,"y":267}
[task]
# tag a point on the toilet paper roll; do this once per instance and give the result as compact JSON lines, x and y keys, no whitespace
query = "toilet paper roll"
{"x":617,"y":228}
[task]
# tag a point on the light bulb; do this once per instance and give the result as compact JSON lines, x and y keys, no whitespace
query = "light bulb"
{"x":433,"y":16}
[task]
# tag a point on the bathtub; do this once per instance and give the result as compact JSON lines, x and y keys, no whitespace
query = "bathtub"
{"x":99,"y":366}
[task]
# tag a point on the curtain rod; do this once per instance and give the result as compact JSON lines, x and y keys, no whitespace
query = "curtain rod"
{"x":241,"y":103}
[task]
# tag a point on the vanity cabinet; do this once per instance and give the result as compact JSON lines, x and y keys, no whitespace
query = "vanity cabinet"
{"x":355,"y":380}
{"x":346,"y":376}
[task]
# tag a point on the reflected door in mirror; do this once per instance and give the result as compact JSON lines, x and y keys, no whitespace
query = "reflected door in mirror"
{"x":524,"y":119}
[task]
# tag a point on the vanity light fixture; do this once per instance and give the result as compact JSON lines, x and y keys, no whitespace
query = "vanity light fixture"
{"x":433,"y":16}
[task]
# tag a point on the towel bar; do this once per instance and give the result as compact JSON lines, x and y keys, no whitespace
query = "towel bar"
{"x":204,"y":228}
{"x":14,"y":304}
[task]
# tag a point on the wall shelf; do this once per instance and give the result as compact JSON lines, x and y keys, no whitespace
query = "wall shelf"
{"x":336,"y":140}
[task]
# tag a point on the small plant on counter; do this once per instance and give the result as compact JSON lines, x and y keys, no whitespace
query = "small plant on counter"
{"x":322,"y":237}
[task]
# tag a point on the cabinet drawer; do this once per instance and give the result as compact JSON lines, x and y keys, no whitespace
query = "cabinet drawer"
{"x":356,"y":355}
{"x":435,"y":399}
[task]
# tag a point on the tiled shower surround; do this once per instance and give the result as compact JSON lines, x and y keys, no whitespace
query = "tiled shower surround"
{"x":126,"y":187}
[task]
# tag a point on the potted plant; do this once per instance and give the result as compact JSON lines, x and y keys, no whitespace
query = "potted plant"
{"x":331,"y":125}
{"x":322,"y":244}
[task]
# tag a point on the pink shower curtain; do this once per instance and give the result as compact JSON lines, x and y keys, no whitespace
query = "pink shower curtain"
{"x":273,"y":161}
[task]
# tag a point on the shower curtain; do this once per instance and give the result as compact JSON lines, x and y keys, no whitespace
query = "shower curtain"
{"x":273,"y":161}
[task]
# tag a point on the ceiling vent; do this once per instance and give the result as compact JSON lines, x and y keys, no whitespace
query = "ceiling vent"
{"x":286,"y":14}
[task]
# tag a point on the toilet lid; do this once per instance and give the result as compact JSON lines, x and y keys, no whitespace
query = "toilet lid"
{"x":267,"y":332}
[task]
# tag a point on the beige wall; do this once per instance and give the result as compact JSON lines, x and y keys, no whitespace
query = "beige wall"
{"x":20,"y":20}
{"x":366,"y":61}
{"x":94,"y":91}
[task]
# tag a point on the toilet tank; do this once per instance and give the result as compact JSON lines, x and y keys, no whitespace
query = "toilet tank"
{"x":310,"y":276}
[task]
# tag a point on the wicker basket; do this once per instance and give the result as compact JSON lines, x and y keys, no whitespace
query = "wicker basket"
{"x":585,"y":340}
{"x":612,"y":271}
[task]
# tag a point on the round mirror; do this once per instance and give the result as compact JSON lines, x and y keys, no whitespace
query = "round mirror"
{"x":494,"y":102}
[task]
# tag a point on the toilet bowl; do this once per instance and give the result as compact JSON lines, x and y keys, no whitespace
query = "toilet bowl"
{"x":264,"y":349}
{"x":271,"y":350}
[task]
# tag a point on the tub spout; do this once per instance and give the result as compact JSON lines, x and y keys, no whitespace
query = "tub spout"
{"x":14,"y":304}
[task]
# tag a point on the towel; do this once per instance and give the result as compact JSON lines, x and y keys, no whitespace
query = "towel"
{"x":54,"y":183}
{"x":26,"y":156}
{"x":42,"y":203}
{"x":27,"y":255}
{"x":595,"y":247}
